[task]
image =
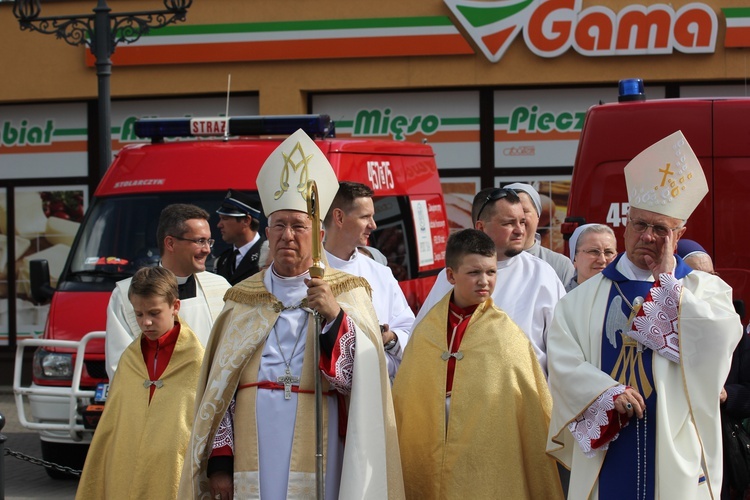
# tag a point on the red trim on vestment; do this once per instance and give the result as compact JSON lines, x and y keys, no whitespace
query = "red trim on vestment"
{"x":616,"y":421}
{"x":453,"y":321}
{"x":224,"y":451}
{"x":328,"y":364}
{"x":274,"y":386}
{"x":160,"y":350}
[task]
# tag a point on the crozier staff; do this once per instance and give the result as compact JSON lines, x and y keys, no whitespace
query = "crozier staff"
{"x":254,"y":429}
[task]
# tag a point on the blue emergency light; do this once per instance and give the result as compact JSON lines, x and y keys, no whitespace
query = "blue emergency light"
{"x":631,"y":89}
{"x":157,"y":129}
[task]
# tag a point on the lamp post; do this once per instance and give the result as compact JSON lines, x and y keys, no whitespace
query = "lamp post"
{"x":101,"y":32}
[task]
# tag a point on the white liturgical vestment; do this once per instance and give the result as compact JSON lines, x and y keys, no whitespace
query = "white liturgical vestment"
{"x":389,"y":301}
{"x":687,"y":456}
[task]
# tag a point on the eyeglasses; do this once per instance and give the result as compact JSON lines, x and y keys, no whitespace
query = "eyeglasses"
{"x":641,"y":226}
{"x":497,"y":194}
{"x":596,"y":253}
{"x":201,"y":242}
{"x":295,"y":228}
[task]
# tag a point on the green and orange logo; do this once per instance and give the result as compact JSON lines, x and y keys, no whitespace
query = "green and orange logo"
{"x":491,"y":26}
{"x":552,"y":27}
{"x":549,"y":27}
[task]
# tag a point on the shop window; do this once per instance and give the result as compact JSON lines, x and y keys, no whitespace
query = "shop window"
{"x":46,"y":222}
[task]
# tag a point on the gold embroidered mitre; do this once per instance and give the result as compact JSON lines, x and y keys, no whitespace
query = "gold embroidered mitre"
{"x":282,"y":181}
{"x":666,"y":178}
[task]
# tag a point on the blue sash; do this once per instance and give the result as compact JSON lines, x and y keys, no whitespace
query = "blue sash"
{"x":628,"y":471}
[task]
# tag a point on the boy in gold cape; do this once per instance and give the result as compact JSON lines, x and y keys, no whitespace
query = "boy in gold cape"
{"x":139,"y":445}
{"x":472,"y":407}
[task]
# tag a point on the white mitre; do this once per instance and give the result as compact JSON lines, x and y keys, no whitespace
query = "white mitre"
{"x":282,"y":181}
{"x":666,"y":178}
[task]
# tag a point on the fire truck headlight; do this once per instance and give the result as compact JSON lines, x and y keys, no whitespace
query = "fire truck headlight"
{"x":53,"y":365}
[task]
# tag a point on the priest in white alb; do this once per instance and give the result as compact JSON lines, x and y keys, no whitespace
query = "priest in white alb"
{"x":639,"y":353}
{"x":527,"y":287}
{"x":254,"y":430}
{"x":348,"y":225}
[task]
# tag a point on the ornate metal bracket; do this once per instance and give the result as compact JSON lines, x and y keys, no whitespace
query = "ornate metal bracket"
{"x":125,"y":27}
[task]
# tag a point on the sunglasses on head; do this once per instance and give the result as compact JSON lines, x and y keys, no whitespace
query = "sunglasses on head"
{"x":496,"y":194}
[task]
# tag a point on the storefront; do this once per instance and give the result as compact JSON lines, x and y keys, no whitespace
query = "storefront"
{"x":498,"y":88}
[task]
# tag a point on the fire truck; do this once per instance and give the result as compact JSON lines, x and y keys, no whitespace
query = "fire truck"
{"x":717,"y":129}
{"x":195,"y":161}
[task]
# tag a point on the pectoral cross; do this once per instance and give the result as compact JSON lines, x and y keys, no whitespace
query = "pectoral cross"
{"x":288,"y":379}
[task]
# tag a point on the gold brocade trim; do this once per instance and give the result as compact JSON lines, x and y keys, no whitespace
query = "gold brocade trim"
{"x":252,"y":291}
{"x":349,"y":284}
{"x":246,"y":484}
{"x":301,"y":485}
{"x":630,"y":362}
{"x":249,"y":298}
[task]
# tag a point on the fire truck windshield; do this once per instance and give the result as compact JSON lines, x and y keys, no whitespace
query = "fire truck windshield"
{"x":119,"y":234}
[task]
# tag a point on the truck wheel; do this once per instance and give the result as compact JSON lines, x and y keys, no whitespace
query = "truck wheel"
{"x":65,"y":454}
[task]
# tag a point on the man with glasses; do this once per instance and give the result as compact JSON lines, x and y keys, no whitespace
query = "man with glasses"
{"x":638,"y":354}
{"x":184,"y":238}
{"x":254,"y":432}
{"x":527,"y":287}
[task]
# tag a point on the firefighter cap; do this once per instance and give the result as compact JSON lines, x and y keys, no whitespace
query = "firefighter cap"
{"x":238,"y":204}
{"x":666,"y":178}
{"x":282,"y":181}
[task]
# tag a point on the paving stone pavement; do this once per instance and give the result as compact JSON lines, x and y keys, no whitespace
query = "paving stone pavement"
{"x":24,"y":480}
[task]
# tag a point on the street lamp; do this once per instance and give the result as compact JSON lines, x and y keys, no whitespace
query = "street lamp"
{"x":101,"y":32}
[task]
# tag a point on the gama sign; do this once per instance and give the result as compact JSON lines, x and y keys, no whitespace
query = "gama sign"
{"x":549,"y":27}
{"x":552,"y":27}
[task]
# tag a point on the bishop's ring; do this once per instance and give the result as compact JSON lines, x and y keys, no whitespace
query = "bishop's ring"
{"x":629,"y":406}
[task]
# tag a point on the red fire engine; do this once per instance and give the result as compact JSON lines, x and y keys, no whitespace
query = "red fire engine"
{"x":118,"y":235}
{"x":718,"y":130}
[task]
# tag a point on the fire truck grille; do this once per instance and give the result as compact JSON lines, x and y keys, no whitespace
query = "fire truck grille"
{"x":96,"y":369}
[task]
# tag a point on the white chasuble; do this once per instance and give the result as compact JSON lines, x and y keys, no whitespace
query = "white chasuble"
{"x":688,"y":438}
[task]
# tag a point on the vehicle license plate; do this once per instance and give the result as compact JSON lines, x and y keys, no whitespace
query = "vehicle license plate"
{"x":102,"y":391}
